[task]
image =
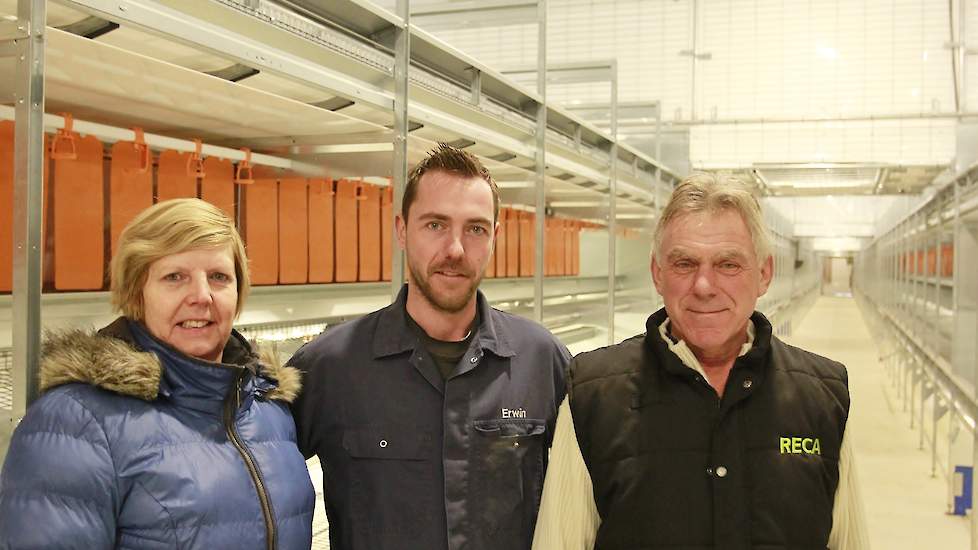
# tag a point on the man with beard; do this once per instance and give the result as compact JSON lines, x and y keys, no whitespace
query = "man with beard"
{"x":433,"y":417}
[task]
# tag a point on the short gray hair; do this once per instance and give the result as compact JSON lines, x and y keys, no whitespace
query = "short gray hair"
{"x":704,"y":192}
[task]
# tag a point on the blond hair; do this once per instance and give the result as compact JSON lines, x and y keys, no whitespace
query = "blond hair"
{"x":166,"y":228}
{"x":703,"y":192}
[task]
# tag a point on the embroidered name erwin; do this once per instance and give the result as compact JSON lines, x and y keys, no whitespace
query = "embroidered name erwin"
{"x":514,"y":413}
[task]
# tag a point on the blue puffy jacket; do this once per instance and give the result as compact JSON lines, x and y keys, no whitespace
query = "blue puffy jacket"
{"x":136,"y":445}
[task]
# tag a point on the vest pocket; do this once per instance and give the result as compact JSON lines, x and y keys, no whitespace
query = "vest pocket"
{"x":507,"y":473}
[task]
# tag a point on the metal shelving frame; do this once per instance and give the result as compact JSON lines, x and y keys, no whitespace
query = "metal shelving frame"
{"x":927,"y":322}
{"x":389,"y":73}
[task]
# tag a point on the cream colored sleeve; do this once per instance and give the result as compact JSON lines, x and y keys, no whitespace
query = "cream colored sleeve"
{"x":849,"y":529}
{"x":568,"y":517}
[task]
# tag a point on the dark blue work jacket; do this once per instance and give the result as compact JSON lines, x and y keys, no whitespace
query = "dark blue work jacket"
{"x":413,"y":461}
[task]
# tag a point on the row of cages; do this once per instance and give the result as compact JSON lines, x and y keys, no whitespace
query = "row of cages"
{"x":925,"y":262}
{"x":917,"y":287}
{"x":297,"y":230}
{"x":922,"y":272}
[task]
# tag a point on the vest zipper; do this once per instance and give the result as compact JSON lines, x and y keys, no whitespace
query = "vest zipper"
{"x":231,"y":406}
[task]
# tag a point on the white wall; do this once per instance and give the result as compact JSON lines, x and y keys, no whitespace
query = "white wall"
{"x":770,"y":59}
{"x":833,"y":216}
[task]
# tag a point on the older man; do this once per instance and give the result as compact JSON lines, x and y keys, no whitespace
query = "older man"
{"x":433,"y":417}
{"x":706,"y":431}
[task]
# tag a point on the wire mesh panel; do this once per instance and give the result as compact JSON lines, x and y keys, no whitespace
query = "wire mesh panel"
{"x":6,"y":380}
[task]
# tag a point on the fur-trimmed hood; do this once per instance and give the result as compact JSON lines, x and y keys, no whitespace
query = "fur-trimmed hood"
{"x":114,"y":363}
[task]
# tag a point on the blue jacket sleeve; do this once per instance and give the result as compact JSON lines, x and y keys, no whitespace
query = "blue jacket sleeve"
{"x":58,"y":487}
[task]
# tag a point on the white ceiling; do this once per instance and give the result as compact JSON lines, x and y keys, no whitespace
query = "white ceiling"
{"x":832,"y":81}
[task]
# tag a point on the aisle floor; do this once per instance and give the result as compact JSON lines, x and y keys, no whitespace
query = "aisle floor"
{"x":905,"y":506}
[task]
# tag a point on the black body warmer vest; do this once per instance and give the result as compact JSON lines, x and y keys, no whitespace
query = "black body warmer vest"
{"x":675,"y":467}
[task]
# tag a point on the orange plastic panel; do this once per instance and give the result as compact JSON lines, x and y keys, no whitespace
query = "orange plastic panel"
{"x":79,"y":218}
{"x":512,"y":243}
{"x":947,"y":260}
{"x":368,"y":212}
{"x":386,"y":231}
{"x":528,"y":248}
{"x":130,"y":187}
{"x":932,"y":261}
{"x":560,"y":247}
{"x":217,"y":186}
{"x":293,"y":231}
{"x":920,"y":262}
{"x":575,"y":250}
{"x":261,"y":227}
{"x":7,"y":212}
{"x":502,"y":244}
{"x":321,"y":231}
{"x":172,"y":180}
{"x":569,"y":229}
{"x":347,"y":250}
{"x":6,"y":205}
{"x":549,"y":247}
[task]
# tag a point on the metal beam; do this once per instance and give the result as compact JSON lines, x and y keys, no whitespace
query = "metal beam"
{"x":566,"y":73}
{"x":540,"y":161}
{"x":476,"y":86}
{"x":472,"y":14}
{"x":112,"y":134}
{"x":157,"y":19}
{"x":800,"y":120}
{"x":613,"y":204}
{"x":27,"y":207}
{"x":962,"y":66}
{"x":402,"y":62}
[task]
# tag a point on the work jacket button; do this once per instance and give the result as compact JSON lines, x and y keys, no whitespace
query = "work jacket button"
{"x":474,"y":359}
{"x":748,"y":383}
{"x":709,"y":471}
{"x":721,"y":471}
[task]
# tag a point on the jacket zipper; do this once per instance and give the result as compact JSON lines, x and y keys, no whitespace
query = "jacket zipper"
{"x":231,"y":407}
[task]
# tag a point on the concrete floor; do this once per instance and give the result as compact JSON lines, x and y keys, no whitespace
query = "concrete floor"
{"x":905,"y":506}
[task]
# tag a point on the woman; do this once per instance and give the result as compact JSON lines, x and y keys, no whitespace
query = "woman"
{"x":163,"y":429}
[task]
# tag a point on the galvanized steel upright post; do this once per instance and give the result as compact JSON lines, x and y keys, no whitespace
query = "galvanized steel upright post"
{"x":540,"y":161}
{"x":613,"y":203}
{"x":959,"y":281}
{"x":28,"y":193}
{"x":402,"y":62}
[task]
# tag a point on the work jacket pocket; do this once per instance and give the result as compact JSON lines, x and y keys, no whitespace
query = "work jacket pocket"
{"x":385,"y":444}
{"x":507,"y":473}
{"x":392,"y":471}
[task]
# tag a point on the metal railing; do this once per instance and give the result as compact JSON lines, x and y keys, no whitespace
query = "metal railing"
{"x":928,"y":392}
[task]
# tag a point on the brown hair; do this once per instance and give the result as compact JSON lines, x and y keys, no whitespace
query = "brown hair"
{"x":705,"y":192}
{"x":171,"y":227}
{"x":453,"y":160}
